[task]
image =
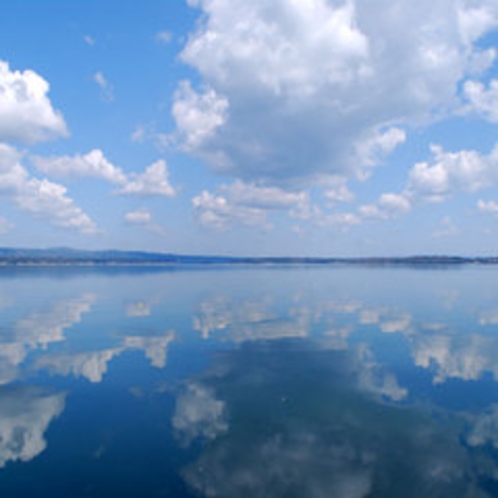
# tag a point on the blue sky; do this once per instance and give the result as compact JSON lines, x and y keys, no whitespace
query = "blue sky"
{"x":296,"y":127}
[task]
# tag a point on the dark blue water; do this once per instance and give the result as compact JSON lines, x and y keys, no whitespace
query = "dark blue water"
{"x":249,"y":382}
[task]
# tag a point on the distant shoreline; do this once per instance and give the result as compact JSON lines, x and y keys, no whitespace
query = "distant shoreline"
{"x":72,"y":257}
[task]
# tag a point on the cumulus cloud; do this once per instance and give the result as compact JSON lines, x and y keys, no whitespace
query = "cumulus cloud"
{"x":303,"y":90}
{"x":26,"y":113}
{"x":39,"y":197}
{"x":483,"y":100}
{"x":445,"y":174}
{"x":388,"y":206}
{"x":246,"y":204}
{"x":92,"y":165}
{"x":153,"y":181}
{"x":25,"y":415}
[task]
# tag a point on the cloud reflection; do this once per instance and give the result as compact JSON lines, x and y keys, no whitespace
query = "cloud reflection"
{"x":25,"y":414}
{"x":301,"y":425}
{"x":198,"y":414}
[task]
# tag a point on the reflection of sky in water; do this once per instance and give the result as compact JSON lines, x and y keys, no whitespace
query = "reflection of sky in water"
{"x":343,"y":382}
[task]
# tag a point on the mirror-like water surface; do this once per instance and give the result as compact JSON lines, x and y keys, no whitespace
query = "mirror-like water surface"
{"x":249,"y":382}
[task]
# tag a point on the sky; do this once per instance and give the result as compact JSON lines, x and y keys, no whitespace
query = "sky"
{"x":291,"y":127}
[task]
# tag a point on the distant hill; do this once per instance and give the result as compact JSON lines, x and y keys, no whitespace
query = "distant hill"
{"x":68,"y":256}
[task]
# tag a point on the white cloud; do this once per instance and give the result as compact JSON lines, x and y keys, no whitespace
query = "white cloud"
{"x":153,"y":181}
{"x":26,"y":113}
{"x":92,"y":165}
{"x":164,"y":37}
{"x":48,"y":200}
{"x":106,"y":89}
{"x":246,"y":204}
{"x":197,"y":115}
{"x":481,"y":100}
{"x":143,"y":218}
{"x":89,"y":40}
{"x":138,"y":217}
{"x":447,"y":228}
{"x":388,"y":206}
{"x":25,"y":415}
{"x":216,"y":212}
{"x":444,"y":175}
{"x":488,"y":207}
{"x":302,"y":90}
{"x":451,"y":172}
{"x":41,"y":198}
{"x":371,"y":150}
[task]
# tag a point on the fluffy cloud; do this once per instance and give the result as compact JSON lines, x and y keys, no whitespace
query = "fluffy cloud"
{"x":26,"y":113}
{"x":93,"y":164}
{"x":153,"y":181}
{"x":197,"y":115}
{"x":246,"y":204}
{"x":303,"y":90}
{"x":41,"y":198}
{"x":388,"y":206}
{"x":450,"y":172}
{"x":437,"y":179}
{"x":481,"y":100}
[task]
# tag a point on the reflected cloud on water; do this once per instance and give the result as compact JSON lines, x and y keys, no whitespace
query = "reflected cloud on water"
{"x":25,"y":414}
{"x":300,"y":424}
{"x":314,"y":391}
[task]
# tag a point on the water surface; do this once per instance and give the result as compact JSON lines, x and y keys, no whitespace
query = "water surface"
{"x":249,"y":382}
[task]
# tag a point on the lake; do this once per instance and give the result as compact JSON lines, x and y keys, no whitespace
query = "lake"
{"x":249,"y":382}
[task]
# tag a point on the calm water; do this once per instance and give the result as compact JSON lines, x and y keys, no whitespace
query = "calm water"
{"x":288,"y":382}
